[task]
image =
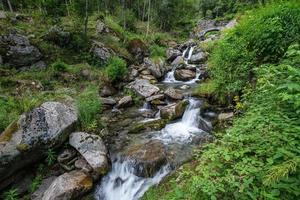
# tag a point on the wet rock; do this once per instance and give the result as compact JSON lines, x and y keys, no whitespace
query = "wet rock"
{"x":143,"y":88}
{"x":107,"y":101}
{"x":197,"y":58}
{"x":204,"y":125}
{"x":70,"y":185}
{"x":173,"y":111}
{"x":92,"y":148}
{"x":179,"y":60}
{"x":138,"y":49}
{"x":148,"y":157}
{"x":155,"y":97}
{"x":173,"y":94}
{"x":107,"y":90}
{"x":150,"y":78}
{"x":27,"y":140}
{"x":187,"y":44}
{"x":225,"y":116}
{"x":184,"y":74}
{"x":101,"y":52}
{"x":148,"y":125}
{"x":38,"y":194}
{"x":184,"y":87}
{"x":16,"y":51}
{"x":172,"y":54}
{"x":124,"y":102}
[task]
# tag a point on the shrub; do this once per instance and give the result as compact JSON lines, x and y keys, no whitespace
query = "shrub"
{"x":116,"y":69}
{"x":88,"y":105}
{"x":157,"y":51}
{"x":59,"y":66}
{"x":262,"y":36}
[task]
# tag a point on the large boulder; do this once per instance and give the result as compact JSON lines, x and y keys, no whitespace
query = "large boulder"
{"x":156,"y":68}
{"x":101,"y":52}
{"x":125,"y":101}
{"x":138,"y":49}
{"x":92,"y":148}
{"x":174,"y":110}
{"x":172,"y":54}
{"x":197,"y":58}
{"x":174,"y":94}
{"x":148,"y":158}
{"x":16,"y":51}
{"x":45,"y":184}
{"x":67,"y":186}
{"x":184,"y":74}
{"x":27,"y":140}
{"x":143,"y":88}
{"x":147,"y":125}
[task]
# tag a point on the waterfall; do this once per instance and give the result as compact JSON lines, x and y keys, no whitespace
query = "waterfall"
{"x":122,"y":184}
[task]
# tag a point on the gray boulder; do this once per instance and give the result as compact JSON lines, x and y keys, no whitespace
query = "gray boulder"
{"x":125,"y":101}
{"x":173,"y":94}
{"x":172,"y":54}
{"x":101,"y":52}
{"x":156,"y":68}
{"x":93,"y":150}
{"x":67,"y":186}
{"x":198,"y":58}
{"x":38,"y":194}
{"x":173,"y":111}
{"x":143,"y":88}
{"x":27,"y":140}
{"x":184,"y":74}
{"x":16,"y":51}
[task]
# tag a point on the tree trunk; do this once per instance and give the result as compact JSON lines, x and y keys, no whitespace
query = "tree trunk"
{"x":148,"y":23}
{"x":86,"y":17}
{"x":144,"y":10}
{"x":9,"y":5}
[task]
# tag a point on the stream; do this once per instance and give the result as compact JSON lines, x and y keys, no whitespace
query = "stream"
{"x":180,"y":136}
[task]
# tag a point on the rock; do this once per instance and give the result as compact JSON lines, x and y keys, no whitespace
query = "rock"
{"x":138,"y":49}
{"x":225,"y":116}
{"x":16,"y":51}
{"x":38,"y":194}
{"x":173,"y":94}
{"x":177,"y":61}
{"x":1,"y":60}
{"x":26,"y":141}
{"x":101,"y":52}
{"x":66,"y":155}
{"x":82,"y":164}
{"x":108,"y":90}
{"x":147,"y":126}
{"x":173,"y":111}
{"x":58,"y":36}
{"x":156,"y":68}
{"x":2,"y":15}
{"x":124,"y":102}
{"x":197,"y":58}
{"x":92,"y":148}
{"x":172,"y":54}
{"x":143,"y":88}
{"x":145,"y":72}
{"x":204,"y":125}
{"x":148,"y":157}
{"x":184,"y":87}
{"x":101,"y":28}
{"x":184,"y":74}
{"x":155,"y":97}
{"x":187,"y":44}
{"x":70,"y":185}
{"x":107,"y":101}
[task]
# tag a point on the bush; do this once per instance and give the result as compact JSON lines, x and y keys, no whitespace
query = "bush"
{"x":59,"y":66}
{"x":116,"y":69}
{"x":89,"y":106}
{"x":261,"y":37}
{"x":157,"y":51}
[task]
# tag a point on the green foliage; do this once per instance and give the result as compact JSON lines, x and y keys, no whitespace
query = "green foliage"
{"x":262,"y":36}
{"x":36,"y":182}
{"x":89,"y":106}
{"x":59,"y":66}
{"x":11,"y":194}
{"x":51,"y":157}
{"x":116,"y":69}
{"x":157,"y":51}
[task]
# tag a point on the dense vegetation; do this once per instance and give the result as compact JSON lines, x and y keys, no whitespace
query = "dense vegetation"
{"x":258,"y":157}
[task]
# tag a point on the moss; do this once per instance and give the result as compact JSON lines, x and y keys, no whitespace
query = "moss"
{"x":8,"y":132}
{"x":22,"y":147}
{"x":150,"y":125}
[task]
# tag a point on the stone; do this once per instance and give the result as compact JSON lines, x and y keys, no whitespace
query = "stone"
{"x":187,"y":44}
{"x":156,"y":68}
{"x":143,"y":87}
{"x":66,"y":155}
{"x":107,"y":101}
{"x":172,"y":54}
{"x":184,"y":74}
{"x":93,"y":150}
{"x":26,"y":141}
{"x":177,"y":61}
{"x":38,"y":194}
{"x":173,"y":94}
{"x":197,"y":58}
{"x":101,"y":28}
{"x":124,"y":102}
{"x":138,"y":49}
{"x":155,"y":97}
{"x":71,"y":185}
{"x":147,"y":125}
{"x":58,"y":36}
{"x":101,"y":52}
{"x":148,"y":157}
{"x":82,"y":164}
{"x":225,"y":116}
{"x":2,"y":15}
{"x":174,"y":110}
{"x":107,"y":90}
{"x":16,"y":51}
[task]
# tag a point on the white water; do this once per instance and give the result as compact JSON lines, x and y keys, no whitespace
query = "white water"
{"x":184,"y":130}
{"x":122,"y":184}
{"x":170,"y":78}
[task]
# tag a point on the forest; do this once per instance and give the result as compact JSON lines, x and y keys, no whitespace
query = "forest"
{"x":149,"y":99}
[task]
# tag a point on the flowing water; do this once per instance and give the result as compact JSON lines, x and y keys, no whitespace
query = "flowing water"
{"x":121,"y":183}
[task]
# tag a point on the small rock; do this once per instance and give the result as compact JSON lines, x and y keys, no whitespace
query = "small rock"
{"x":184,"y":74}
{"x":143,"y":87}
{"x":173,"y":94}
{"x":184,"y":87}
{"x":38,"y":194}
{"x":70,"y":185}
{"x":92,"y":148}
{"x":124,"y":102}
{"x":172,"y":54}
{"x":173,"y":111}
{"x":83,"y":165}
{"x":66,"y":155}
{"x":155,"y":97}
{"x":197,"y":58}
{"x":101,"y":52}
{"x":107,"y":91}
{"x":107,"y":101}
{"x":225,"y":116}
